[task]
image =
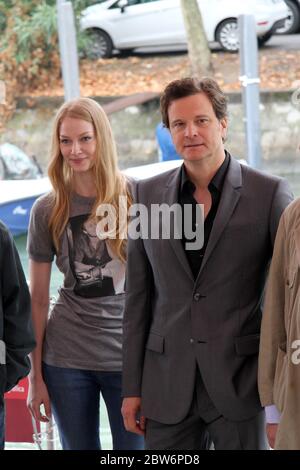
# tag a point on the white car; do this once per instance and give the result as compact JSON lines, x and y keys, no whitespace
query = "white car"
{"x":292,"y":23}
{"x":158,"y":24}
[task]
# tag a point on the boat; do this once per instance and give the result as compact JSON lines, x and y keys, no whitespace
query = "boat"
{"x":21,"y":183}
{"x":152,"y":169}
{"x":16,"y":200}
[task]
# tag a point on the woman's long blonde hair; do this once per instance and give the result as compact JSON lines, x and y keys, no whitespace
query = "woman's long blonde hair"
{"x":109,"y":181}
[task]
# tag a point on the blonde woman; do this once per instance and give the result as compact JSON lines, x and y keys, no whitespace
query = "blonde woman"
{"x":78,"y":353}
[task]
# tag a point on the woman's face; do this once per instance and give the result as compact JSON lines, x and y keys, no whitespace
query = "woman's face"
{"x":77,"y":142}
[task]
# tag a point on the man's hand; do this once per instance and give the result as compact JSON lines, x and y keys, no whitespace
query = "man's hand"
{"x":271,"y":431}
{"x":130,"y":410}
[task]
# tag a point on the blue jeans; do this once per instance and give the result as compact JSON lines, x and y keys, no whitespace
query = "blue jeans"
{"x":75,"y":405}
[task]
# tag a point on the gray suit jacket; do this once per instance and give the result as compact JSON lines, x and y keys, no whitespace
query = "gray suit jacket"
{"x":174,"y":324}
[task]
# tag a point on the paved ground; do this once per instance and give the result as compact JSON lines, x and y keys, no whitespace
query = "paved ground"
{"x":289,"y":42}
{"x":279,"y":66}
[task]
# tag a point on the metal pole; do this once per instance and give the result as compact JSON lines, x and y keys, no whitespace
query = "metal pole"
{"x":250,"y":87}
{"x":68,"y":49}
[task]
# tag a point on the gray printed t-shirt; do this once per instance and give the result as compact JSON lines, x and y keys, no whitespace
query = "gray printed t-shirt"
{"x":84,"y":329}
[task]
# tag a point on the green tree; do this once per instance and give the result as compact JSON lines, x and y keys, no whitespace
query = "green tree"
{"x":33,"y":23}
{"x":29,"y":46}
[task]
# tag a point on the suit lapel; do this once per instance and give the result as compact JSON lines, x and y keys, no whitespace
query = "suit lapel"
{"x":170,"y":198}
{"x":229,"y":199}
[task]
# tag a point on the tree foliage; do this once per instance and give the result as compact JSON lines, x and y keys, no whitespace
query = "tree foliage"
{"x":29,"y":45}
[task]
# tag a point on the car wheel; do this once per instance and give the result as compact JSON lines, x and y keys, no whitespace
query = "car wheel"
{"x":292,"y":23}
{"x":264,"y":38}
{"x":227,"y":35}
{"x":100,"y":45}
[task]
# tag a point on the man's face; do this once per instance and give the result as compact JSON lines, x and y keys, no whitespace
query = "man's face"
{"x":196,"y":132}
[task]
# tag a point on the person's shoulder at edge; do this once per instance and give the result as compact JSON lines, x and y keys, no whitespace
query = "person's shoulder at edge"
{"x":5,"y":236}
{"x":291,"y":213}
{"x":3,"y":229}
{"x":6,"y":240}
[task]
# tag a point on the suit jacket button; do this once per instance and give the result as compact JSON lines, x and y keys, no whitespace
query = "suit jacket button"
{"x":191,"y":340}
{"x":197,"y":297}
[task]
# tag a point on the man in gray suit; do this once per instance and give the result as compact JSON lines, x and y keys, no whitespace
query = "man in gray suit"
{"x":192,"y":316}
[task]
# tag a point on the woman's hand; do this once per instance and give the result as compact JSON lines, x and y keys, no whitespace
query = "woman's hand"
{"x":38,"y":396}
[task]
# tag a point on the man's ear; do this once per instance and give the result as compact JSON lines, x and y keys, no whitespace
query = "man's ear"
{"x":224,"y":127}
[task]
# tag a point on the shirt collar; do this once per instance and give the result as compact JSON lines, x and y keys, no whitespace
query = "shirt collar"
{"x":217,"y":180}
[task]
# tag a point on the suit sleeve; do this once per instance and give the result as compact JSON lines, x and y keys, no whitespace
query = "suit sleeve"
{"x":272,"y":329}
{"x":282,"y":198}
{"x":17,"y":327}
{"x":273,"y":334}
{"x":137,"y":313}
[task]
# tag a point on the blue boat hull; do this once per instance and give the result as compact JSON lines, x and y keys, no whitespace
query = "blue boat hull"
{"x":15,"y":214}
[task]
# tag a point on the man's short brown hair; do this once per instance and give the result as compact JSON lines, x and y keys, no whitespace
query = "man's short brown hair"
{"x":192,"y":86}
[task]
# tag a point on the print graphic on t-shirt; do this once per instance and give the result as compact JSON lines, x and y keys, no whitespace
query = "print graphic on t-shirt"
{"x":89,"y":259}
